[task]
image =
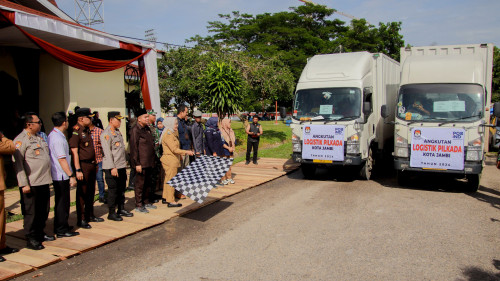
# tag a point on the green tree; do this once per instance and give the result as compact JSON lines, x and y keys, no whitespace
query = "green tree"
{"x":264,"y":80}
{"x":495,"y":97}
{"x":300,"y":33}
{"x":223,"y":84}
{"x":178,"y":73}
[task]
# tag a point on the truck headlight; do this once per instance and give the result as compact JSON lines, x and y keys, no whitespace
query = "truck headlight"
{"x":353,"y":144}
{"x":474,"y":150}
{"x":400,"y":147}
{"x":296,"y":143}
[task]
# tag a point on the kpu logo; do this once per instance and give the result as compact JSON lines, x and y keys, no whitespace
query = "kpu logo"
{"x":308,"y":130}
{"x":417,"y":133}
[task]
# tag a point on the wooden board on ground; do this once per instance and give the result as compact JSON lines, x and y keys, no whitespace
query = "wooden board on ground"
{"x":10,"y":269}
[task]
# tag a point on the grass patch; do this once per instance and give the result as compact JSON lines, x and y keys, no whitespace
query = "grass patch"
{"x":273,"y":135}
{"x":14,"y":217}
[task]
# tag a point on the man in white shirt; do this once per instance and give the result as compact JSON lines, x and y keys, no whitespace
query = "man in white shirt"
{"x":62,"y":175}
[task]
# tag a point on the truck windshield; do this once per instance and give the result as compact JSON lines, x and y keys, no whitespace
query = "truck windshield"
{"x":327,"y":104}
{"x":440,"y":102}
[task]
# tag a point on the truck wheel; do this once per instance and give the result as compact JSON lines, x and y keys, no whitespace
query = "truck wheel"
{"x":473,"y":183}
{"x":308,"y":170}
{"x":366,"y":170}
{"x":402,"y":178}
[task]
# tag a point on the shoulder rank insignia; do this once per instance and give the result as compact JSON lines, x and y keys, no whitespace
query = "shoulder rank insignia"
{"x":18,"y":144}
{"x":76,"y":127}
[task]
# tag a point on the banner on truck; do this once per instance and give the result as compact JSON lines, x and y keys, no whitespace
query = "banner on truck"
{"x":323,"y":142}
{"x":437,"y":148}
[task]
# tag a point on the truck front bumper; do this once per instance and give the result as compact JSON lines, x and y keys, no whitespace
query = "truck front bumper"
{"x":349,"y":160}
{"x":403,"y":164}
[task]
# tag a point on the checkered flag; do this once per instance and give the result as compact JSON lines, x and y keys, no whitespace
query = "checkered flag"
{"x":196,"y":180}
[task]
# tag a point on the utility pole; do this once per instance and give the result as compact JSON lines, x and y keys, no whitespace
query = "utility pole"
{"x":150,"y":36}
{"x":90,"y":13}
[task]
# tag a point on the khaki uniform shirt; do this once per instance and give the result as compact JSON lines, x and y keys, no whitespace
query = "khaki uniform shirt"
{"x":171,"y":149}
{"x":31,"y":160}
{"x":113,"y":149}
{"x":6,"y":148}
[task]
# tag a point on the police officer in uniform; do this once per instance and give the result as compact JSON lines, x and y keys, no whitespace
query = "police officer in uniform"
{"x":32,"y":165}
{"x":82,"y":148}
{"x":114,"y":164}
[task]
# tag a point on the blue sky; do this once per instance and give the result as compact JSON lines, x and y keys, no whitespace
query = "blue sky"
{"x":425,"y":22}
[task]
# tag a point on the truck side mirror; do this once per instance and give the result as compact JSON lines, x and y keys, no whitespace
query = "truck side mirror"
{"x":367,"y":108}
{"x":496,"y":109}
{"x":383,"y":111}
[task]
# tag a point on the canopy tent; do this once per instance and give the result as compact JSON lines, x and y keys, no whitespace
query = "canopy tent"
{"x":78,"y":46}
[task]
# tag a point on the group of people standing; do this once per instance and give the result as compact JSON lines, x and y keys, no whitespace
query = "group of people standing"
{"x":76,"y":155}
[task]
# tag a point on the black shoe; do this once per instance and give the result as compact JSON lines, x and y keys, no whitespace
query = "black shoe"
{"x":103,"y":200}
{"x":95,"y":219}
{"x":164,"y":201}
{"x":170,"y":205}
{"x":48,"y":238}
{"x":84,"y":224}
{"x":114,"y":217}
{"x":154,"y":201}
{"x":8,"y":250}
{"x":255,"y":162}
{"x":34,"y":245}
{"x":248,"y":162}
{"x":67,"y":234}
{"x":2,"y":259}
{"x":124,"y":213}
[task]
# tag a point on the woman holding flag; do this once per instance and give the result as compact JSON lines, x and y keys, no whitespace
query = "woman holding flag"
{"x":170,"y":159}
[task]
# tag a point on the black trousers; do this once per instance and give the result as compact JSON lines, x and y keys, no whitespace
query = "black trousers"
{"x":116,"y":189}
{"x":85,"y":191}
{"x":143,"y":182}
{"x":35,"y":208}
{"x":61,"y":207}
{"x":255,"y":146}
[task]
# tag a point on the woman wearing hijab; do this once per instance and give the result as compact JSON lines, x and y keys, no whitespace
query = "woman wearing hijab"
{"x":213,"y":137}
{"x":170,"y":159}
{"x":228,"y":145}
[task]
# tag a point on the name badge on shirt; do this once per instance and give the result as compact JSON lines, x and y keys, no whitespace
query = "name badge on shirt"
{"x":87,"y":144}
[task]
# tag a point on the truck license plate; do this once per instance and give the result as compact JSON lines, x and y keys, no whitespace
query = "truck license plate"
{"x":322,"y":161}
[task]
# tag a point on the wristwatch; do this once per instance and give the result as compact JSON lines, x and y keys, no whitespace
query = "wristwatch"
{"x":79,"y":170}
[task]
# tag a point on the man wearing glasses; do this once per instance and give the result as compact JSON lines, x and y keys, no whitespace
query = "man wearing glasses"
{"x":32,"y":165}
{"x":82,"y":149}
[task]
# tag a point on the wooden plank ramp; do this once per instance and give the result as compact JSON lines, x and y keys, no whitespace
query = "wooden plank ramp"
{"x":26,"y":261}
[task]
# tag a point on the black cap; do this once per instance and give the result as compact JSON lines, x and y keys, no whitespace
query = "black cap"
{"x":140,"y":112}
{"x":115,"y":114}
{"x":84,"y":111}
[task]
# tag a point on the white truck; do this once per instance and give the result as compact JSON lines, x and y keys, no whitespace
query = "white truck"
{"x":442,"y":111}
{"x":336,"y":119}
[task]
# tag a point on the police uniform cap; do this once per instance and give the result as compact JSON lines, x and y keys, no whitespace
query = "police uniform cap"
{"x":115,"y":114}
{"x":84,"y":111}
{"x":197,"y":113}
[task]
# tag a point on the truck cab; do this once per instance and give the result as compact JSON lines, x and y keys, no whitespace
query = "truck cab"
{"x":441,"y":111}
{"x":336,"y":119}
